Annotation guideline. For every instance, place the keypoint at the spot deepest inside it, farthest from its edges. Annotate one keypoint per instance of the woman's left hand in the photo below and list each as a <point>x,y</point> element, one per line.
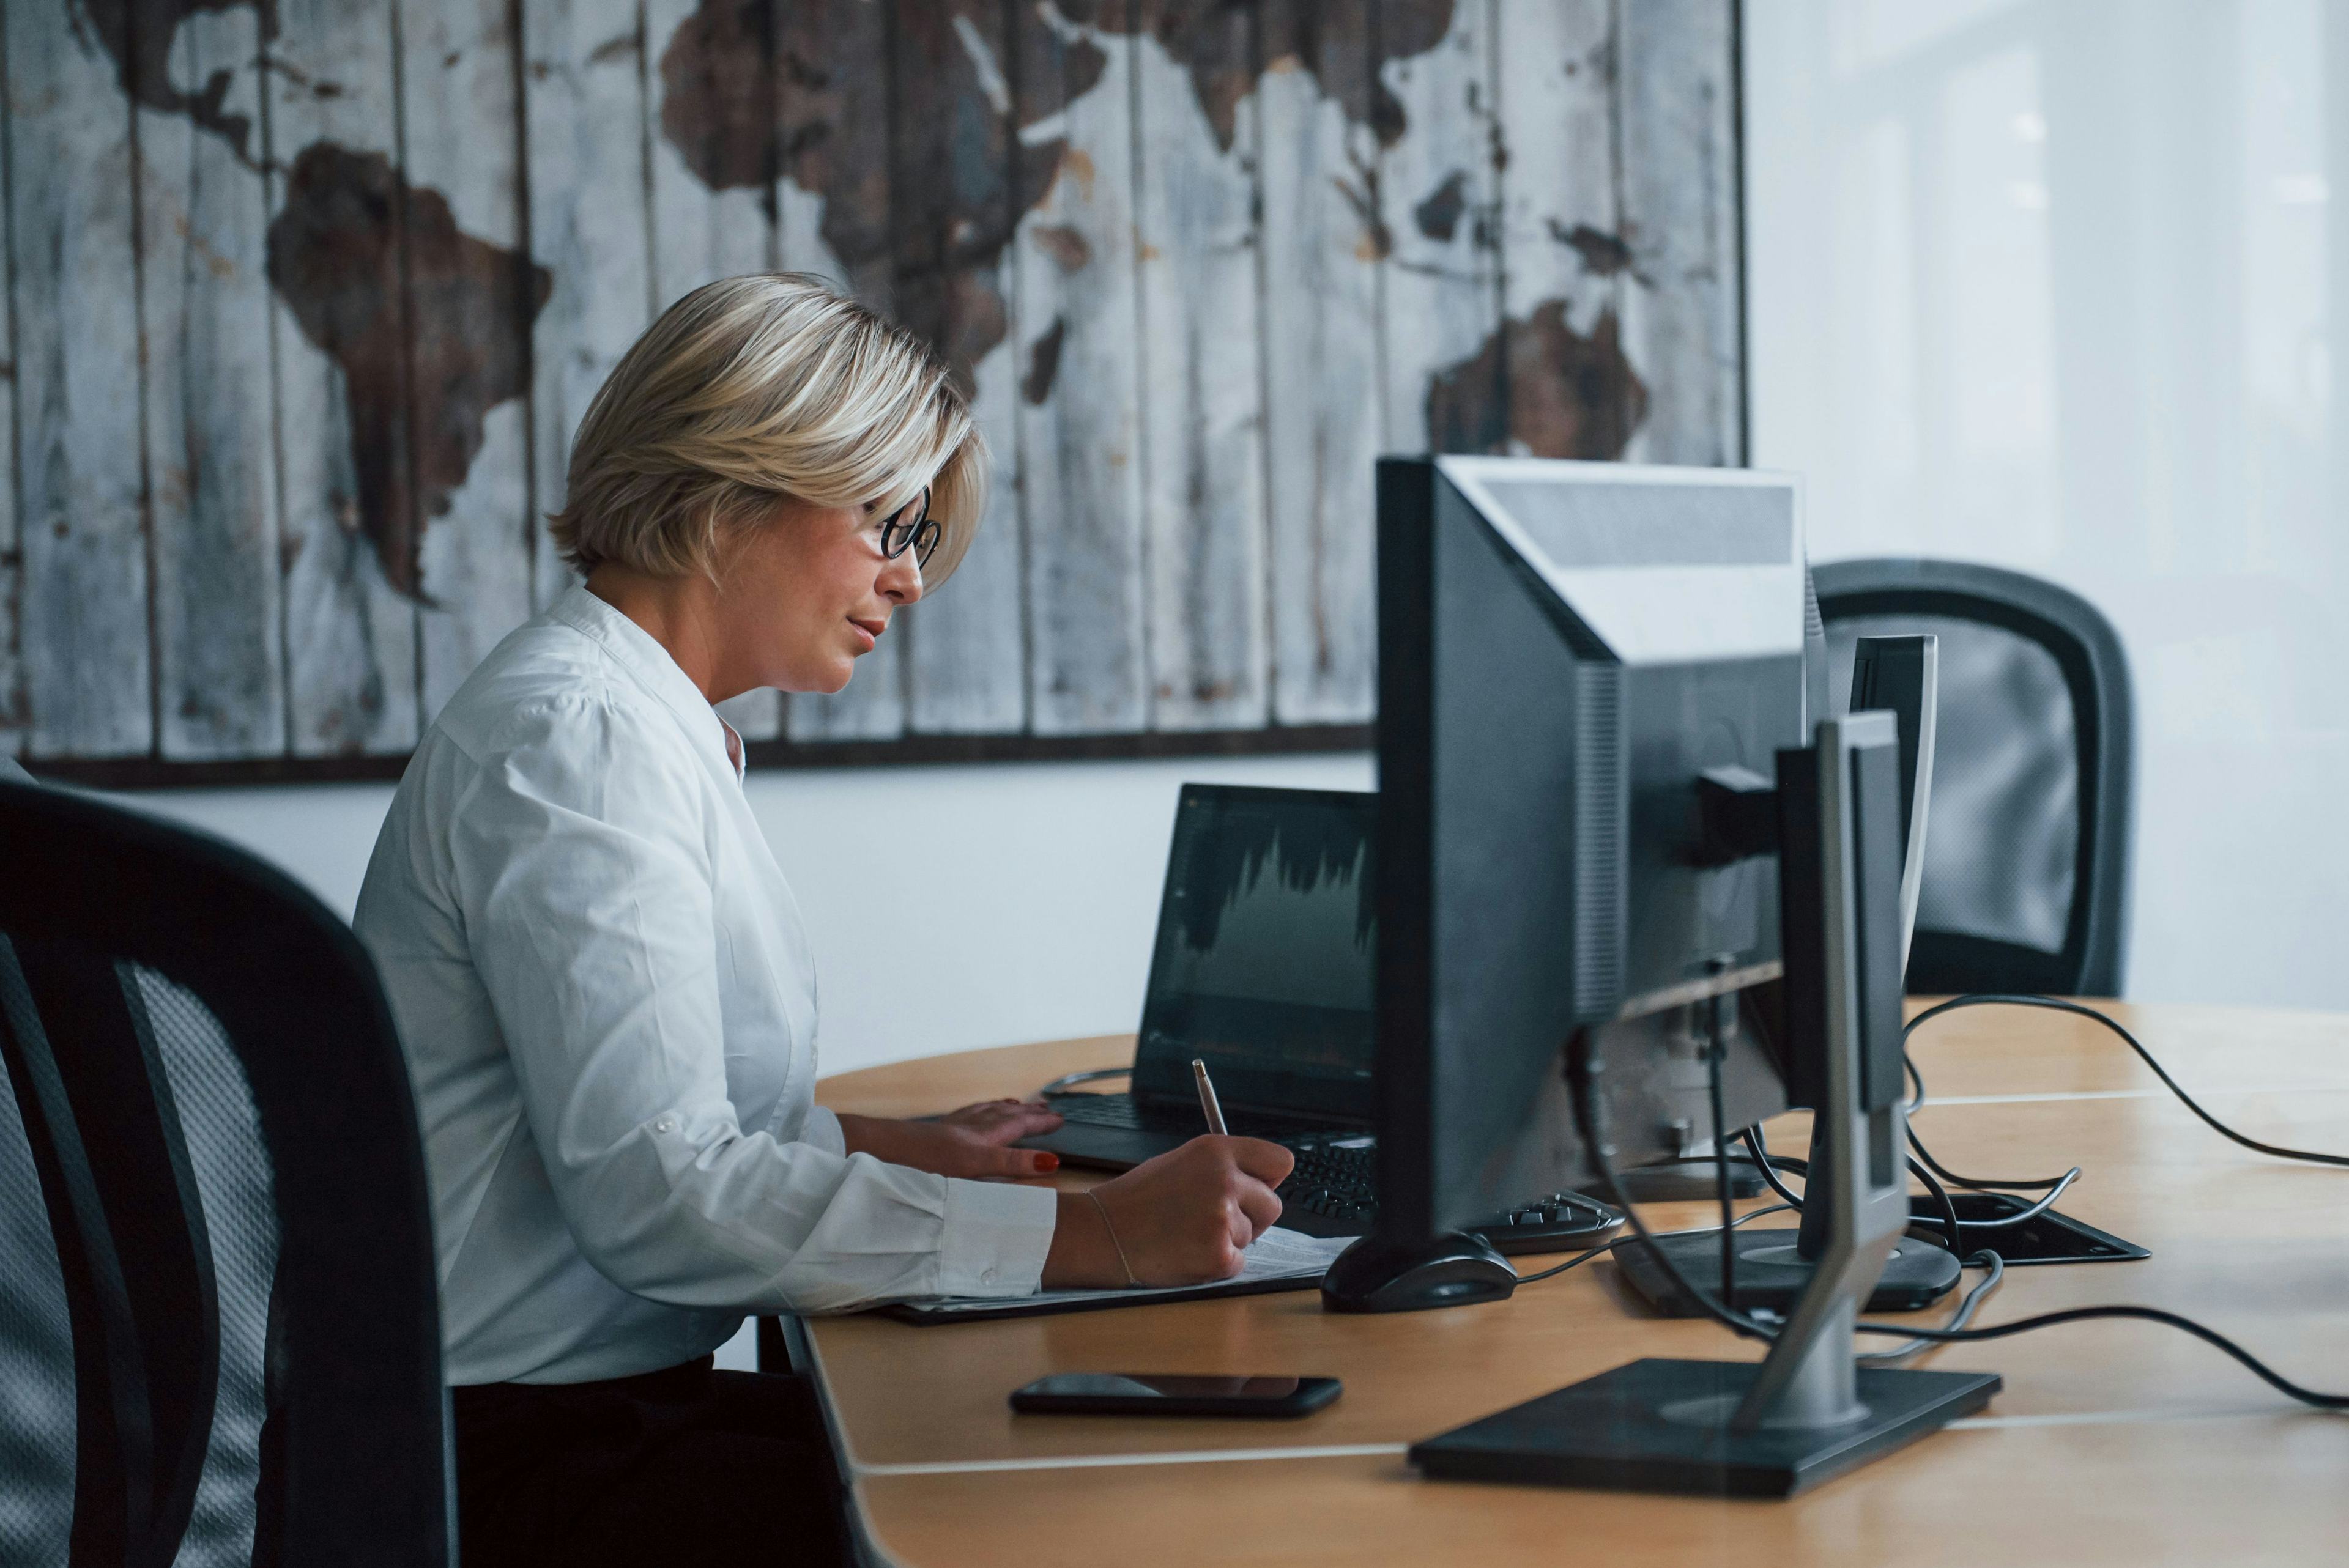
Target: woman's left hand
<point>972,1141</point>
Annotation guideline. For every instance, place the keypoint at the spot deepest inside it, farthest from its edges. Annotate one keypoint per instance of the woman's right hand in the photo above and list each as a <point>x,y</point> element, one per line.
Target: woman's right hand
<point>1182,1218</point>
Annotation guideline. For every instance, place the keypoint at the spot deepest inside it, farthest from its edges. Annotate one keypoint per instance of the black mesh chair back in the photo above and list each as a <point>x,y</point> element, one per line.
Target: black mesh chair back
<point>218,1329</point>
<point>2027,849</point>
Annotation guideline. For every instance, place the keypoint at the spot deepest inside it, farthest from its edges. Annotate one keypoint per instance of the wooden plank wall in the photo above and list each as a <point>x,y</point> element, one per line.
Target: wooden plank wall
<point>350,634</point>
<point>305,297</point>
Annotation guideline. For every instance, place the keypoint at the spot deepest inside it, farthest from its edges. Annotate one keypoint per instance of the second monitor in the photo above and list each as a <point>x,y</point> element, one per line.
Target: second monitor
<point>1564,650</point>
<point>1625,886</point>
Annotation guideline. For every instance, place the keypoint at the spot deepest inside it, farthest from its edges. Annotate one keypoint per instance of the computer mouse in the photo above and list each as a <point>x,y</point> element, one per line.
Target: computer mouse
<point>1380,1274</point>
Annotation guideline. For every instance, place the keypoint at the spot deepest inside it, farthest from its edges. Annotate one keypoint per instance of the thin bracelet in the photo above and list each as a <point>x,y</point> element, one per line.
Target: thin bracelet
<point>1132,1283</point>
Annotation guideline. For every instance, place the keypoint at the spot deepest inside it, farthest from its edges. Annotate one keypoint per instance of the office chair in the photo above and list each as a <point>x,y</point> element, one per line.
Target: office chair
<point>2027,852</point>
<point>212,1204</point>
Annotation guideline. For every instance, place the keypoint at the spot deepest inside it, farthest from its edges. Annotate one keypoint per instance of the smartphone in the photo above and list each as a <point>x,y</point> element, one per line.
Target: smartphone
<point>1173,1394</point>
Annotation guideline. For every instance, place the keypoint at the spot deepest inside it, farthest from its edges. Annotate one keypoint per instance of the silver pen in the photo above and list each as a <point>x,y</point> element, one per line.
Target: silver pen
<point>1208,1101</point>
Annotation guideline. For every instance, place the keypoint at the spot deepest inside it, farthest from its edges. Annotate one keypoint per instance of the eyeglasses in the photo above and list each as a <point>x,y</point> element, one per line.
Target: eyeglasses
<point>912,528</point>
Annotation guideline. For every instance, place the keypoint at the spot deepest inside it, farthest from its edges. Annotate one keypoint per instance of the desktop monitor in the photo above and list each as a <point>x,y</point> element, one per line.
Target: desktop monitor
<point>1564,649</point>
<point>1621,890</point>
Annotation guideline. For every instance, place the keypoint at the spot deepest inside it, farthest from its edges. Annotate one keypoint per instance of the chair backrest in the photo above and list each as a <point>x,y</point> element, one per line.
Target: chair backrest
<point>2028,851</point>
<point>204,1082</point>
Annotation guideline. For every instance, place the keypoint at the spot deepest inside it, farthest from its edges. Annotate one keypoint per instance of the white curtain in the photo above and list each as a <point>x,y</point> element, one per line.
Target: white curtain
<point>2057,285</point>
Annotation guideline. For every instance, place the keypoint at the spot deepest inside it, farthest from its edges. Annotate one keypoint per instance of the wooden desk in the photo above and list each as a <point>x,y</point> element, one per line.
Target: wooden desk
<point>2113,1441</point>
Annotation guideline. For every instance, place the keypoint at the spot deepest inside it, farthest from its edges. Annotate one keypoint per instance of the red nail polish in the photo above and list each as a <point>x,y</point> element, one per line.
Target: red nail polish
<point>1048,1160</point>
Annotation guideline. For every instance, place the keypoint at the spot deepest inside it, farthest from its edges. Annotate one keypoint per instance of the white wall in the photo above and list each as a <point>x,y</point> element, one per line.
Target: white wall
<point>950,907</point>
<point>2049,283</point>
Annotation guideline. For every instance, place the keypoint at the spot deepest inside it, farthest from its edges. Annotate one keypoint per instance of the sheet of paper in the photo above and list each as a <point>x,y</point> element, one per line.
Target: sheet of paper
<point>1276,1255</point>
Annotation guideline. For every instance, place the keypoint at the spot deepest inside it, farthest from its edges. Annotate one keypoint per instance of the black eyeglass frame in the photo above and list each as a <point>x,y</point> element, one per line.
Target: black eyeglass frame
<point>921,536</point>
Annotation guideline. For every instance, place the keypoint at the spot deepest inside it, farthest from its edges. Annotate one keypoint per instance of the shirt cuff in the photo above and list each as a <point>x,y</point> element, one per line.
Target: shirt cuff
<point>821,1129</point>
<point>995,1238</point>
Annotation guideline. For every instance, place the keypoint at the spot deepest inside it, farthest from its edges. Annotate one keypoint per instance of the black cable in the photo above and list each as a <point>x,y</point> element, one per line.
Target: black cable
<point>1769,1167</point>
<point>1585,1257</point>
<point>2005,1222</point>
<point>2258,1368</point>
<point>1909,1065</point>
<point>1577,1259</point>
<point>1995,1271</point>
<point>1977,1183</point>
<point>1581,1071</point>
<point>1582,1098</point>
<point>1949,1209</point>
<point>2059,1185</point>
<point>2022,1216</point>
<point>1713,1055</point>
<point>2057,1005</point>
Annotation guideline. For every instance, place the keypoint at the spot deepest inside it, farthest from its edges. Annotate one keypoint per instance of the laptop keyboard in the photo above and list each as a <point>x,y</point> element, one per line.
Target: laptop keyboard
<point>1099,1110</point>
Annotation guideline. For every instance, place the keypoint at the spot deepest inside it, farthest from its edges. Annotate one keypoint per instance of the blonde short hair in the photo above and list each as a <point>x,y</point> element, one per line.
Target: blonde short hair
<point>751,390</point>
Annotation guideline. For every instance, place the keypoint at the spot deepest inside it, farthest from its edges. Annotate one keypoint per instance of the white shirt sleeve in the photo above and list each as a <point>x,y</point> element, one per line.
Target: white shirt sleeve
<point>586,904</point>
<point>822,1129</point>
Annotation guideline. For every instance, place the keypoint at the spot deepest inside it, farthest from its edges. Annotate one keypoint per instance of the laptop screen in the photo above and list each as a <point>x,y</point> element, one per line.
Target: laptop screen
<point>1263,966</point>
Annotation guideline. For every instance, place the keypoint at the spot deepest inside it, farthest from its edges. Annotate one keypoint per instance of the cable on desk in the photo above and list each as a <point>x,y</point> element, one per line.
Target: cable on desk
<point>2022,1216</point>
<point>1065,1081</point>
<point>1979,1183</point>
<point>1950,1220</point>
<point>1926,1171</point>
<point>1760,1151</point>
<point>2258,1367</point>
<point>1574,1262</point>
<point>1770,1165</point>
<point>1995,1269</point>
<point>2058,1005</point>
<point>1581,1071</point>
<point>1584,1257</point>
<point>1713,1055</point>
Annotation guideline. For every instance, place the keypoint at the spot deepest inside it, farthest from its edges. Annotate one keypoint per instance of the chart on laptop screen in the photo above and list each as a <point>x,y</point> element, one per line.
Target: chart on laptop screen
<point>1265,946</point>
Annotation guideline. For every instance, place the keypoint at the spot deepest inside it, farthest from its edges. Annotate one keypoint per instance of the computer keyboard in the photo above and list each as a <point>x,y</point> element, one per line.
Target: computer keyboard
<point>1333,1191</point>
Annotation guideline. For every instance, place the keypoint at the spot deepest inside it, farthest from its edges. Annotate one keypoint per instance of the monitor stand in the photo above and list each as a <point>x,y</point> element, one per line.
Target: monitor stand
<point>1808,1411</point>
<point>1690,1177</point>
<point>1774,1266</point>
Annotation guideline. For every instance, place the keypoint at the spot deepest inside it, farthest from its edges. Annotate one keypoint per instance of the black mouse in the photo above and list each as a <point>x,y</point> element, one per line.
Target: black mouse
<point>1379,1273</point>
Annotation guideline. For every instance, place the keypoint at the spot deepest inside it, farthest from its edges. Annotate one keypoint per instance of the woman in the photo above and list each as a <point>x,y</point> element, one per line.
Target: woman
<point>605,989</point>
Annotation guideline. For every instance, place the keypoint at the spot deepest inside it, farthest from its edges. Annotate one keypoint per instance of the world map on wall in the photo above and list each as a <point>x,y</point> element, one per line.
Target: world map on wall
<point>431,327</point>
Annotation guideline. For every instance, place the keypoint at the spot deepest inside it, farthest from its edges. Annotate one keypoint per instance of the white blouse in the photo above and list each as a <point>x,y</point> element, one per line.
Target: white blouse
<point>608,1006</point>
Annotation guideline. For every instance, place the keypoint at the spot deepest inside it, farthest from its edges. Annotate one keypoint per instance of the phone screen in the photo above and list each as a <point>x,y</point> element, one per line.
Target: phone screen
<point>1173,1394</point>
<point>1156,1386</point>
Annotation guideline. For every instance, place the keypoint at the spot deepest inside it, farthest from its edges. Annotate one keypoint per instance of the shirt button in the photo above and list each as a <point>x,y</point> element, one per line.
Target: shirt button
<point>665,1124</point>
<point>986,1277</point>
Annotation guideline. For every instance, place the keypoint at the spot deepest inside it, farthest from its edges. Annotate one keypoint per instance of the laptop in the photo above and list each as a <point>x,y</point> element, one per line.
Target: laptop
<point>1262,969</point>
